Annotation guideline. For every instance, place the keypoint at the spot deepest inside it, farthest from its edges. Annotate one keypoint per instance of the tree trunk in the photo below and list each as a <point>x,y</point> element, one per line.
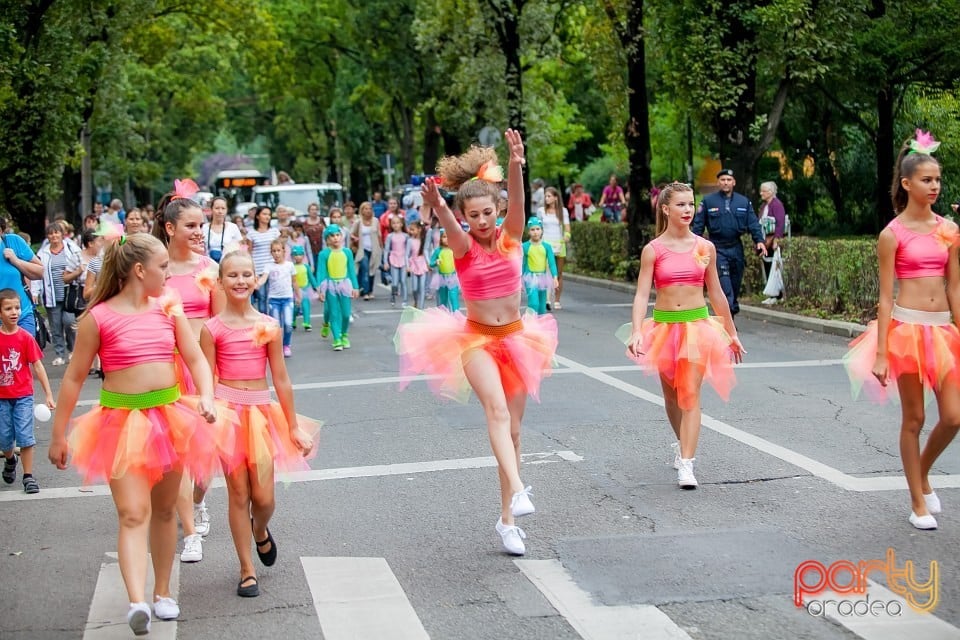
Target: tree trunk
<point>637,129</point>
<point>431,143</point>
<point>406,144</point>
<point>886,156</point>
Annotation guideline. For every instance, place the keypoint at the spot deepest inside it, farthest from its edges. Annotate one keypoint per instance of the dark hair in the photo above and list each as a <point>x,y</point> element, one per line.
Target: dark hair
<point>54,227</point>
<point>256,217</point>
<point>169,209</point>
<point>663,199</point>
<point>215,198</point>
<point>9,294</point>
<point>88,237</point>
<point>907,164</point>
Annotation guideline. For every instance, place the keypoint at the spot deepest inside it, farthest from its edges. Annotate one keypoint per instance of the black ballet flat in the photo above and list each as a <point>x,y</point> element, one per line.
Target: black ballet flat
<point>249,591</point>
<point>269,557</point>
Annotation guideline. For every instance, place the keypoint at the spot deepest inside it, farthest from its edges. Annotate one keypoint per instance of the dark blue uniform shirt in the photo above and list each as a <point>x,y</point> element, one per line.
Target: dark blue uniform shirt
<point>727,219</point>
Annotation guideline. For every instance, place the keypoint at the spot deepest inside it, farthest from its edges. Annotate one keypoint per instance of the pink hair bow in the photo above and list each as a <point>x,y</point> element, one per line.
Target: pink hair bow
<point>185,188</point>
<point>924,143</point>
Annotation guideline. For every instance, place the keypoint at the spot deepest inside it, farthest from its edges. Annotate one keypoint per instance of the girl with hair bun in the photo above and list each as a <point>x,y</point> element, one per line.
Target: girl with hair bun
<point>493,350</point>
<point>144,434</point>
<point>682,343</point>
<point>914,345</point>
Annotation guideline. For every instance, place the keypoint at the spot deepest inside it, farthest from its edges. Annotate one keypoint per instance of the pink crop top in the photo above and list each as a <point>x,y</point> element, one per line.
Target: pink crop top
<point>486,275</point>
<point>671,268</point>
<point>237,357</point>
<point>920,255</point>
<point>196,300</point>
<point>127,340</point>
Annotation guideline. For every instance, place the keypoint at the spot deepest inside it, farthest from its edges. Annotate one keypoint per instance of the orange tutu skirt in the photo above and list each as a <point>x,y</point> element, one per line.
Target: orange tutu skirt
<point>108,443</point>
<point>929,351</point>
<point>262,434</point>
<point>439,343</point>
<point>686,354</point>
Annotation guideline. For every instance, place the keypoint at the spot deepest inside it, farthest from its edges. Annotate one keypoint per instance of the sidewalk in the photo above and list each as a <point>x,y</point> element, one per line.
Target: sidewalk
<point>832,327</point>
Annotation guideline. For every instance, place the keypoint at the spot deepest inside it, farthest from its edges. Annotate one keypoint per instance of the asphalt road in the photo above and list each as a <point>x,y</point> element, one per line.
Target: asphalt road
<point>791,469</point>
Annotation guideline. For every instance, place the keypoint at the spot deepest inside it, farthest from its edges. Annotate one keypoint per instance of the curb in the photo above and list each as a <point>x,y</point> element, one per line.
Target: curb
<point>830,327</point>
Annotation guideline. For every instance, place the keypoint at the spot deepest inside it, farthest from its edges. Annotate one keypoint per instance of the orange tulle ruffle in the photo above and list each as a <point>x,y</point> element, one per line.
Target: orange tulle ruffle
<point>107,443</point>
<point>438,343</point>
<point>931,352</point>
<point>686,354</point>
<point>263,441</point>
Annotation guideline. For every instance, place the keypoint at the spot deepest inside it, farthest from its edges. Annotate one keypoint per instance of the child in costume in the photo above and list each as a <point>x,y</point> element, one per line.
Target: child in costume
<point>20,354</point>
<point>417,263</point>
<point>282,290</point>
<point>396,247</point>
<point>307,283</point>
<point>144,435</point>
<point>494,350</point>
<point>193,276</point>
<point>682,343</point>
<point>338,285</point>
<point>539,268</point>
<point>914,344</point>
<point>238,343</point>
<point>445,281</point>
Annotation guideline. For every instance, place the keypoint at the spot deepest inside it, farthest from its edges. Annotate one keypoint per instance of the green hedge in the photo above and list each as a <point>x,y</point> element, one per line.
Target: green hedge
<point>830,276</point>
<point>834,276</point>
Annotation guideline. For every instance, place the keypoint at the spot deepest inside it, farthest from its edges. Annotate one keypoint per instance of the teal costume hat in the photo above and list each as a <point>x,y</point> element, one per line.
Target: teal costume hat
<point>297,250</point>
<point>330,230</point>
<point>534,221</point>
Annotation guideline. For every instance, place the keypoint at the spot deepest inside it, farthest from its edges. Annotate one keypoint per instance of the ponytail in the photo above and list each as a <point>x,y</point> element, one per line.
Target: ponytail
<point>119,257</point>
<point>663,200</point>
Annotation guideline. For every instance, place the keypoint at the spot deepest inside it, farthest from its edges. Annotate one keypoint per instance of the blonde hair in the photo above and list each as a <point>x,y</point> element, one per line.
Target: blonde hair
<point>235,255</point>
<point>457,173</point>
<point>666,194</point>
<point>119,259</point>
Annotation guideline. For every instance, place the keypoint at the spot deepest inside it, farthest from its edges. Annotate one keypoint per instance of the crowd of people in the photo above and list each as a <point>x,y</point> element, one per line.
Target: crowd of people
<point>185,392</point>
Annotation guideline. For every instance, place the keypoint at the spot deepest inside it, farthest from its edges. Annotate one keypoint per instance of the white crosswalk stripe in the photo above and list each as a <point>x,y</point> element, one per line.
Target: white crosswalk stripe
<point>107,618</point>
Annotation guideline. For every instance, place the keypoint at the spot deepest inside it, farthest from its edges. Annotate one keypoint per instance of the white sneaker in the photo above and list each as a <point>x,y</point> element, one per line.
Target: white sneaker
<point>923,522</point>
<point>933,503</point>
<point>201,519</point>
<point>192,549</point>
<point>166,608</point>
<point>770,301</point>
<point>685,477</point>
<point>520,504</point>
<point>676,454</point>
<point>512,537</point>
<point>58,362</point>
<point>138,617</point>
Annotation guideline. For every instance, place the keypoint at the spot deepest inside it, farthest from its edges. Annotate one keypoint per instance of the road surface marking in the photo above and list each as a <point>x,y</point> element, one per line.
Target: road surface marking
<point>318,475</point>
<point>360,599</point>
<point>595,621</point>
<point>815,467</point>
<point>906,624</point>
<point>107,619</point>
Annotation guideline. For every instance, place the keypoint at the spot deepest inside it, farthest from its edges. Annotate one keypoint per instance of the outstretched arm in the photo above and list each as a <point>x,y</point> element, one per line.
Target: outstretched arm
<point>514,222</point>
<point>457,239</point>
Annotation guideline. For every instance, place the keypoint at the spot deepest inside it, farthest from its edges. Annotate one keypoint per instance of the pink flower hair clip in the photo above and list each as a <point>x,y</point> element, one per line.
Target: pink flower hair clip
<point>924,142</point>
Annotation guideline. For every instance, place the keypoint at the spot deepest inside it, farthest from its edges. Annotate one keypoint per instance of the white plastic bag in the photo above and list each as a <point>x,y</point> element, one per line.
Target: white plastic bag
<point>775,278</point>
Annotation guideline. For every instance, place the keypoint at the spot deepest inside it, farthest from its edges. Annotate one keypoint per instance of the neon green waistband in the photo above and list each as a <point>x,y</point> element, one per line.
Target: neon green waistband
<point>687,315</point>
<point>148,400</point>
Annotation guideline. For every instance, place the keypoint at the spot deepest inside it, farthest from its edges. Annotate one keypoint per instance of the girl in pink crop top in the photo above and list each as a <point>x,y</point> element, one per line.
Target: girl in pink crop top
<point>913,347</point>
<point>197,288</point>
<point>494,343</point>
<point>239,342</point>
<point>680,267</point>
<point>485,275</point>
<point>143,437</point>
<point>682,344</point>
<point>128,340</point>
<point>921,255</point>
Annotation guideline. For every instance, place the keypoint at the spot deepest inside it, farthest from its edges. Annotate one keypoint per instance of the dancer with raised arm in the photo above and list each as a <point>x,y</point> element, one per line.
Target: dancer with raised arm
<point>502,356</point>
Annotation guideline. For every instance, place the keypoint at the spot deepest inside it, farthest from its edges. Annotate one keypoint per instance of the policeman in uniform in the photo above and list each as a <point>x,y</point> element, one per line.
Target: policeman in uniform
<point>728,215</point>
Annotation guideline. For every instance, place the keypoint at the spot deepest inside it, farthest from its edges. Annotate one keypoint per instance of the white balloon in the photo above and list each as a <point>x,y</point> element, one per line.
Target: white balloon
<point>41,412</point>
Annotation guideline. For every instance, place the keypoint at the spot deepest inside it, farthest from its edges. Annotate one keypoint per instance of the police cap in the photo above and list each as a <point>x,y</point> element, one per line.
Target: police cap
<point>725,172</point>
